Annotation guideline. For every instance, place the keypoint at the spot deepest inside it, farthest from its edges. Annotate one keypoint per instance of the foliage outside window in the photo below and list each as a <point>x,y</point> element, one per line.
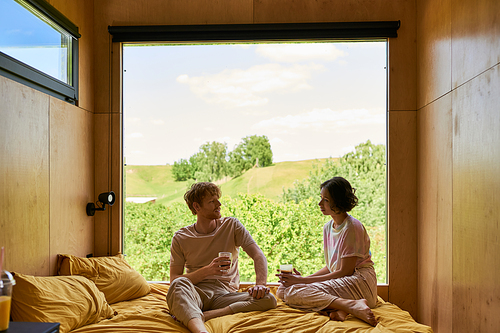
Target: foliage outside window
<point>287,231</point>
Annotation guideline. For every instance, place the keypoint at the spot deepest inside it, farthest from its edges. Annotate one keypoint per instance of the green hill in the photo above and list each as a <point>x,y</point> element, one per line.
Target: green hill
<point>157,181</point>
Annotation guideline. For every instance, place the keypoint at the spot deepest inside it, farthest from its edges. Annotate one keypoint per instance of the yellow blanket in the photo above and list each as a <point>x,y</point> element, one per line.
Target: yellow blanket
<point>150,314</point>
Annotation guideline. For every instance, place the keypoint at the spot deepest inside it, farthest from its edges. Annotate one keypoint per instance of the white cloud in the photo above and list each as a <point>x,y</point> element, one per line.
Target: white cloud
<point>135,135</point>
<point>224,139</point>
<point>242,88</point>
<point>158,122</point>
<point>275,141</point>
<point>347,149</point>
<point>323,119</point>
<point>184,78</point>
<point>300,52</point>
<point>132,119</point>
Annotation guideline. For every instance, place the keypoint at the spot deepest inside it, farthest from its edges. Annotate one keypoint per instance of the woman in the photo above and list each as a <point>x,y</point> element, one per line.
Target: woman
<point>347,284</point>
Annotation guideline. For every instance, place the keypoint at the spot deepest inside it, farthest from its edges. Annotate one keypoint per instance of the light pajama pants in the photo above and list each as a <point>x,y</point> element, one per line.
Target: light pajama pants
<point>317,296</point>
<point>187,301</point>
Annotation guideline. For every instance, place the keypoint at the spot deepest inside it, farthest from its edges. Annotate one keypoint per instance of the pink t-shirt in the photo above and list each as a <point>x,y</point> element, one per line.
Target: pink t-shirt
<point>193,250</point>
<point>350,239</point>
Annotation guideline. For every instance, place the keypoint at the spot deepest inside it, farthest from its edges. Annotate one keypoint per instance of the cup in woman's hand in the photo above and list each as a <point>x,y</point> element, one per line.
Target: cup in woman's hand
<point>286,269</point>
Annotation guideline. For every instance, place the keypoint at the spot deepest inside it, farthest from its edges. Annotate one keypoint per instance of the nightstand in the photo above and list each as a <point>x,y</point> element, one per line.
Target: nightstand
<point>25,327</point>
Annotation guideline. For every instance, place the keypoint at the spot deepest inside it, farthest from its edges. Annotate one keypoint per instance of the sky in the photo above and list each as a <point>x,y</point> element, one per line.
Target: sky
<point>33,41</point>
<point>312,100</point>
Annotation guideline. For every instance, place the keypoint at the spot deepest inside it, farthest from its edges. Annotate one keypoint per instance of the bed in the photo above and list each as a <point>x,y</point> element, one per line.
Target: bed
<point>106,295</point>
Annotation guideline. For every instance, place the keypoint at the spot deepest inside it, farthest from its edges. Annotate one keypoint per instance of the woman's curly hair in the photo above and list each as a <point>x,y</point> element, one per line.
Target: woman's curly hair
<point>342,193</point>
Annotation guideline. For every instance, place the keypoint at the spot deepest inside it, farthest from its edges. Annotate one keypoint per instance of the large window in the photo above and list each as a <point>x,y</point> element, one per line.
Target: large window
<point>39,47</point>
<point>268,122</point>
<point>284,222</point>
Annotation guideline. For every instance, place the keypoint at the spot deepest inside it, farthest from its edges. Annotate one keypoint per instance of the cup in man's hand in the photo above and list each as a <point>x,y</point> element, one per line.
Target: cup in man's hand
<point>229,255</point>
<point>286,269</point>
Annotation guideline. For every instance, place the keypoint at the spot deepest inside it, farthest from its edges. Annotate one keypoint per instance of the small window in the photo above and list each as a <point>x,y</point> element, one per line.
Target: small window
<point>39,47</point>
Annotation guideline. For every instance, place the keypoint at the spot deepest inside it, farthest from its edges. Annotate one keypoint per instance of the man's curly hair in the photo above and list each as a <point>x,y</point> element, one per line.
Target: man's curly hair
<point>342,193</point>
<point>198,191</point>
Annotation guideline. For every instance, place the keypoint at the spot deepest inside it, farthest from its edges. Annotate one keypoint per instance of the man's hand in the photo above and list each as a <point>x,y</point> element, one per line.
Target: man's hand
<point>258,291</point>
<point>218,266</point>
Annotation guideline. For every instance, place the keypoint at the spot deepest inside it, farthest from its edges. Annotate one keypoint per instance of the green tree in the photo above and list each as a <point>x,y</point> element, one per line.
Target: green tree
<point>237,164</point>
<point>211,163</point>
<point>182,170</point>
<point>253,151</point>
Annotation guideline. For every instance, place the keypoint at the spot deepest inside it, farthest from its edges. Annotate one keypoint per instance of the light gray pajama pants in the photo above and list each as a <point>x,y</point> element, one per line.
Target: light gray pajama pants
<point>317,296</point>
<point>187,301</point>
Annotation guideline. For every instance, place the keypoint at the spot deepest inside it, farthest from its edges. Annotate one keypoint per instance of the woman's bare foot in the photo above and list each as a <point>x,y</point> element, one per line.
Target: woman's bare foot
<point>361,310</point>
<point>338,315</point>
<point>358,308</point>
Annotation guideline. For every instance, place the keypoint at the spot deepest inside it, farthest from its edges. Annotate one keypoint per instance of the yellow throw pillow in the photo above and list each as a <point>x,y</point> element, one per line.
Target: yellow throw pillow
<point>112,275</point>
<point>72,301</point>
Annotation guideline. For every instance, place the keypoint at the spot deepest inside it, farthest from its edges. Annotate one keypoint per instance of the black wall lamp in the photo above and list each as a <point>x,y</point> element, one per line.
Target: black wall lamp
<point>106,198</point>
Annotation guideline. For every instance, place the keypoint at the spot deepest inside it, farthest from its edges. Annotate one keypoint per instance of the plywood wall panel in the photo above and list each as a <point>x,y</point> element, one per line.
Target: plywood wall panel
<point>81,12</point>
<point>71,180</point>
<point>402,77</point>
<point>117,185</point>
<point>433,50</point>
<point>435,223</point>
<point>281,11</point>
<point>476,194</point>
<point>402,214</point>
<point>158,12</point>
<point>24,178</point>
<point>102,150</point>
<point>476,38</point>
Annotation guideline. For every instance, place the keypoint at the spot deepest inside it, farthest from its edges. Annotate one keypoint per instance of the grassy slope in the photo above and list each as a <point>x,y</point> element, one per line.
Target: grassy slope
<point>153,181</point>
<point>157,180</point>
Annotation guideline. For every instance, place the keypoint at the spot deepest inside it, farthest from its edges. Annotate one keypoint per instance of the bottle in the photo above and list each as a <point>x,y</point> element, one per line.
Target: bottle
<point>6,284</point>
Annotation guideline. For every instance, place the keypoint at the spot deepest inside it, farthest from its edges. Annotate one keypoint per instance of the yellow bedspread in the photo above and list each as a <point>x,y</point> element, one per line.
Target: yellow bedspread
<point>150,314</point>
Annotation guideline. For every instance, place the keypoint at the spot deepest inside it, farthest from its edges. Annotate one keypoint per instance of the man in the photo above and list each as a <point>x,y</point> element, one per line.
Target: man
<point>209,287</point>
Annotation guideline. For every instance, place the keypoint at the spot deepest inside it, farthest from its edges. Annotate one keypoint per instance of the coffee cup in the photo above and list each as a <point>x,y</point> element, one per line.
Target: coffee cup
<point>6,283</point>
<point>227,254</point>
<point>286,269</point>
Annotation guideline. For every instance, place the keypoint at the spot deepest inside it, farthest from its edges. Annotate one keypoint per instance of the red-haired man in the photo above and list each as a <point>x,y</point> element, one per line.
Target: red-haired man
<point>209,287</point>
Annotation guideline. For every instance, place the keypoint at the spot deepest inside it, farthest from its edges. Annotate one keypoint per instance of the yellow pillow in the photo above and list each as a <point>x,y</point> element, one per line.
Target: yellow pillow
<point>72,301</point>
<point>112,275</point>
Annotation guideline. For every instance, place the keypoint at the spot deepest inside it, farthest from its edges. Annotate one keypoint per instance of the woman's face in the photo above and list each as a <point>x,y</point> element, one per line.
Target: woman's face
<point>326,202</point>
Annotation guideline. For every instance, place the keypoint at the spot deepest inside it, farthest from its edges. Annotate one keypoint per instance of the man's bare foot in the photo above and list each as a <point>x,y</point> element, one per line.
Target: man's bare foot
<point>338,315</point>
<point>360,309</point>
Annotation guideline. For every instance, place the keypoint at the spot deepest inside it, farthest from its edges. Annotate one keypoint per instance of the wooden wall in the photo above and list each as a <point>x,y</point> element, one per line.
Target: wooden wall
<point>458,154</point>
<point>47,165</point>
<point>444,145</point>
<point>62,156</point>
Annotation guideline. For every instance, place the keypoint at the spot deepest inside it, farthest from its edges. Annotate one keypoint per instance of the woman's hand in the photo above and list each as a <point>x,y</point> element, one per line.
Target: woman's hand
<point>288,279</point>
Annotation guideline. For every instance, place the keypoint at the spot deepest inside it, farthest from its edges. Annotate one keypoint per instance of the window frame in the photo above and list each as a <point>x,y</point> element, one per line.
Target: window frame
<point>21,72</point>
<point>279,32</point>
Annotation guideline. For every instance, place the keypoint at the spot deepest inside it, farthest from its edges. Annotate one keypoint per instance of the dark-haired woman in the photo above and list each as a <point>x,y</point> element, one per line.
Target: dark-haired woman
<point>347,284</point>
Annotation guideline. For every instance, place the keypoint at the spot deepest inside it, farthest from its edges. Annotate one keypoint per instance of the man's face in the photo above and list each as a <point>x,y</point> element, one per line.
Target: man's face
<point>209,207</point>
